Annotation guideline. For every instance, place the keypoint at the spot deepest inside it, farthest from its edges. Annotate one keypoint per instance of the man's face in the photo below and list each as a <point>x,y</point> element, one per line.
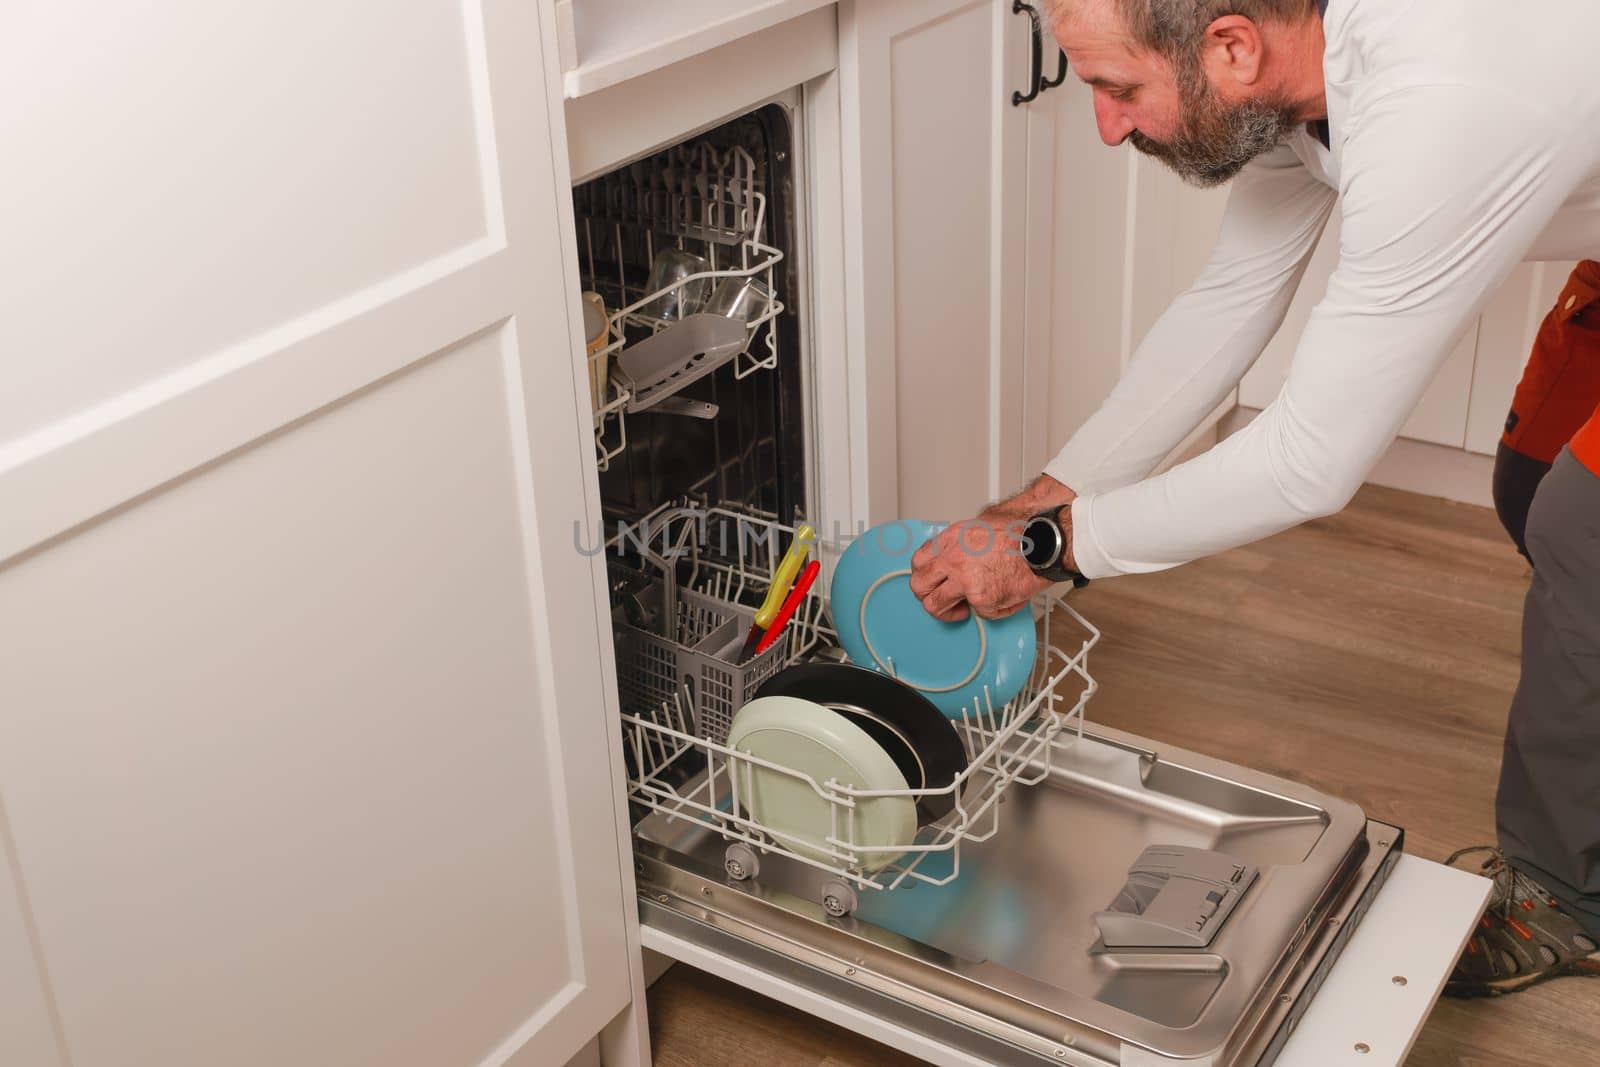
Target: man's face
<point>1174,115</point>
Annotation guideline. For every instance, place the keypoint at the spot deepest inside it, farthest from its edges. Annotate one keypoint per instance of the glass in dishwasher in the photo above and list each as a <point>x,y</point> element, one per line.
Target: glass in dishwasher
<point>673,275</point>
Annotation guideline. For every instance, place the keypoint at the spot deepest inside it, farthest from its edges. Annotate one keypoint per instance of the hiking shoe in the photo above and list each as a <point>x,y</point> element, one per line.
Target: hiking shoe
<point>1523,938</point>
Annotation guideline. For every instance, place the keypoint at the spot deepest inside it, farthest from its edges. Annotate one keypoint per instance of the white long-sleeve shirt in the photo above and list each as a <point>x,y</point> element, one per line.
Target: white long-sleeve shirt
<point>1465,139</point>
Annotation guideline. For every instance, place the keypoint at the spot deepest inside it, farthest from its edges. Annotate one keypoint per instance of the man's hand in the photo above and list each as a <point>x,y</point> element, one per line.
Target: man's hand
<point>977,565</point>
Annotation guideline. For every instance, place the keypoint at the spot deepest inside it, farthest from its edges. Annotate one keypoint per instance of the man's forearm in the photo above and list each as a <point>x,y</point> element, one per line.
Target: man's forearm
<point>1043,492</point>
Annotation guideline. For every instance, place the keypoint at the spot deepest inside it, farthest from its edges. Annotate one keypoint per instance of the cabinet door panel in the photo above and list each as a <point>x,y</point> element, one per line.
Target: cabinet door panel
<point>1122,236</point>
<point>304,751</point>
<point>1079,254</point>
<point>936,190</point>
<point>243,165</point>
<point>27,1032</point>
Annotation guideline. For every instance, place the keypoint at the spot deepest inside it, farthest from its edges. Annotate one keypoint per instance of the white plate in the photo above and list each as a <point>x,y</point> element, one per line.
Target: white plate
<point>813,740</point>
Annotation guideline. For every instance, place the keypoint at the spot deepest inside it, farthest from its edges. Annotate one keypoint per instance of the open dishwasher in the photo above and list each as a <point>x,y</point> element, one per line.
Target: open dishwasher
<point>1089,897</point>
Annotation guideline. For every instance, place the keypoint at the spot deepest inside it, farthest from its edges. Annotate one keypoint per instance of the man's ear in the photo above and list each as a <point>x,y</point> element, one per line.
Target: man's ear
<point>1232,52</point>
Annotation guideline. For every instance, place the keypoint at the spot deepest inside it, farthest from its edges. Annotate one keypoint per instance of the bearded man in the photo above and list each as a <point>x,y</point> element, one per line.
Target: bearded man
<point>1456,139</point>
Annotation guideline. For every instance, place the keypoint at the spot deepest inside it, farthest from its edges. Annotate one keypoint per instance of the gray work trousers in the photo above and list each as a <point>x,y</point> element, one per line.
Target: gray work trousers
<point>1548,808</point>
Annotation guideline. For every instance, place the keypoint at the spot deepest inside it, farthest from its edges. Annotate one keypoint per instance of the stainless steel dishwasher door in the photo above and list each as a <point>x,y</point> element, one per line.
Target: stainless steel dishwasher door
<point>1008,951</point>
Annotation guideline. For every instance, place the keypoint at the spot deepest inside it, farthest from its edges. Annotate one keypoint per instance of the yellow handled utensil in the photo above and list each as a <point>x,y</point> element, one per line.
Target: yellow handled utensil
<point>784,577</point>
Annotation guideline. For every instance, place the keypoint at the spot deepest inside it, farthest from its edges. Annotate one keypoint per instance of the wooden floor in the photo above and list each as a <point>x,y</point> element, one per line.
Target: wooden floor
<point>1371,655</point>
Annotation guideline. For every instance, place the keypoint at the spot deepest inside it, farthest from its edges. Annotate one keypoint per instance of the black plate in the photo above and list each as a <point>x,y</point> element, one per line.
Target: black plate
<point>889,738</point>
<point>901,711</point>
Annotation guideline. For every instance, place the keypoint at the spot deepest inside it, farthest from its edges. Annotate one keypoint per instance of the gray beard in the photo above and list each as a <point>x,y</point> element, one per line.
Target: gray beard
<point>1218,140</point>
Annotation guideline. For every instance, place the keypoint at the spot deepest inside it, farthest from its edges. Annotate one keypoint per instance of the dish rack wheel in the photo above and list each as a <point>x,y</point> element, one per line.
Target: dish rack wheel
<point>741,861</point>
<point>839,898</point>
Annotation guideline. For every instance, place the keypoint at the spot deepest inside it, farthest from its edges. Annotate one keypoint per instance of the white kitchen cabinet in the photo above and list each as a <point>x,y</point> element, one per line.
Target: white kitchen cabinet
<point>607,127</point>
<point>935,191</point>
<point>1113,238</point>
<point>303,736</point>
<point>603,43</point>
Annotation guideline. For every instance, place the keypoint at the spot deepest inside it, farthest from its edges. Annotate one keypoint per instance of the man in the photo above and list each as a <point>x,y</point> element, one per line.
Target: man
<point>1456,138</point>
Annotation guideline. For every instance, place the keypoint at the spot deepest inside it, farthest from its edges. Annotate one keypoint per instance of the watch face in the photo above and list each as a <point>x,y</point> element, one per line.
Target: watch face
<point>1044,543</point>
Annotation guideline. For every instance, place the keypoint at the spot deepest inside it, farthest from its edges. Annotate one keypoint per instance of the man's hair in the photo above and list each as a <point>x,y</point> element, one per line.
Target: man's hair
<point>1175,28</point>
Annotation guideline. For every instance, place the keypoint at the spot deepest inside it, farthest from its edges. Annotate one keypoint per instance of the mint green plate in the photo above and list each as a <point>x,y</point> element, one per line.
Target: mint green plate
<point>806,737</point>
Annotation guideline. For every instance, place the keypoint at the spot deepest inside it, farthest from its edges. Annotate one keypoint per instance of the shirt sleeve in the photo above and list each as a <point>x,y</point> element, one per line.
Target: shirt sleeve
<point>1444,189</point>
<point>1202,345</point>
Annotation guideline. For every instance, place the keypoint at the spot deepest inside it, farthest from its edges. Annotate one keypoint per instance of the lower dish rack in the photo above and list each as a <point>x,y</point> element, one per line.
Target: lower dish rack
<point>675,724</point>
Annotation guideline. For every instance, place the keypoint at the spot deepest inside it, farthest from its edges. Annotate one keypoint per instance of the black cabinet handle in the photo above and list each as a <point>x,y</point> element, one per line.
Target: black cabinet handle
<point>1037,82</point>
<point>1061,75</point>
<point>1036,67</point>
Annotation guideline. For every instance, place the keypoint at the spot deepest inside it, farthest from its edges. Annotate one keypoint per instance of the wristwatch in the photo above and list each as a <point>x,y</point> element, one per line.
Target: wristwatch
<point>1045,547</point>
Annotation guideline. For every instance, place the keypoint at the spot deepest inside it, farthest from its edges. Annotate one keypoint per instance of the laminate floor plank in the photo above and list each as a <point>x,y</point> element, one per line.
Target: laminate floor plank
<point>700,1020</point>
<point>1371,655</point>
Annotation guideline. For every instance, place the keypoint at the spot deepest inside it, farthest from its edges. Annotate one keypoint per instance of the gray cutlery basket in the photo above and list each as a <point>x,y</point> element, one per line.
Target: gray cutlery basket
<point>709,633</point>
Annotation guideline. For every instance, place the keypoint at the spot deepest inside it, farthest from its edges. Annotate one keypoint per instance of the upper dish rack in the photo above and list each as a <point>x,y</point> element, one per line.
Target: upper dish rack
<point>680,766</point>
<point>695,197</point>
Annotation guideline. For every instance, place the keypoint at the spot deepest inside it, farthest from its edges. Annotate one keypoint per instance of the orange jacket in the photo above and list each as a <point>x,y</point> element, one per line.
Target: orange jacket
<point>1558,399</point>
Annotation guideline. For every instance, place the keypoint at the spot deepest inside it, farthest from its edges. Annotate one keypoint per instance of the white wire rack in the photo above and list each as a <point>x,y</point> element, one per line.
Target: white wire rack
<point>1006,745</point>
<point>691,195</point>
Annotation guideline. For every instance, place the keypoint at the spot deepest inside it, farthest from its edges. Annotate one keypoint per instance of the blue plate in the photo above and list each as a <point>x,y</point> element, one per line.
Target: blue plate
<point>882,625</point>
